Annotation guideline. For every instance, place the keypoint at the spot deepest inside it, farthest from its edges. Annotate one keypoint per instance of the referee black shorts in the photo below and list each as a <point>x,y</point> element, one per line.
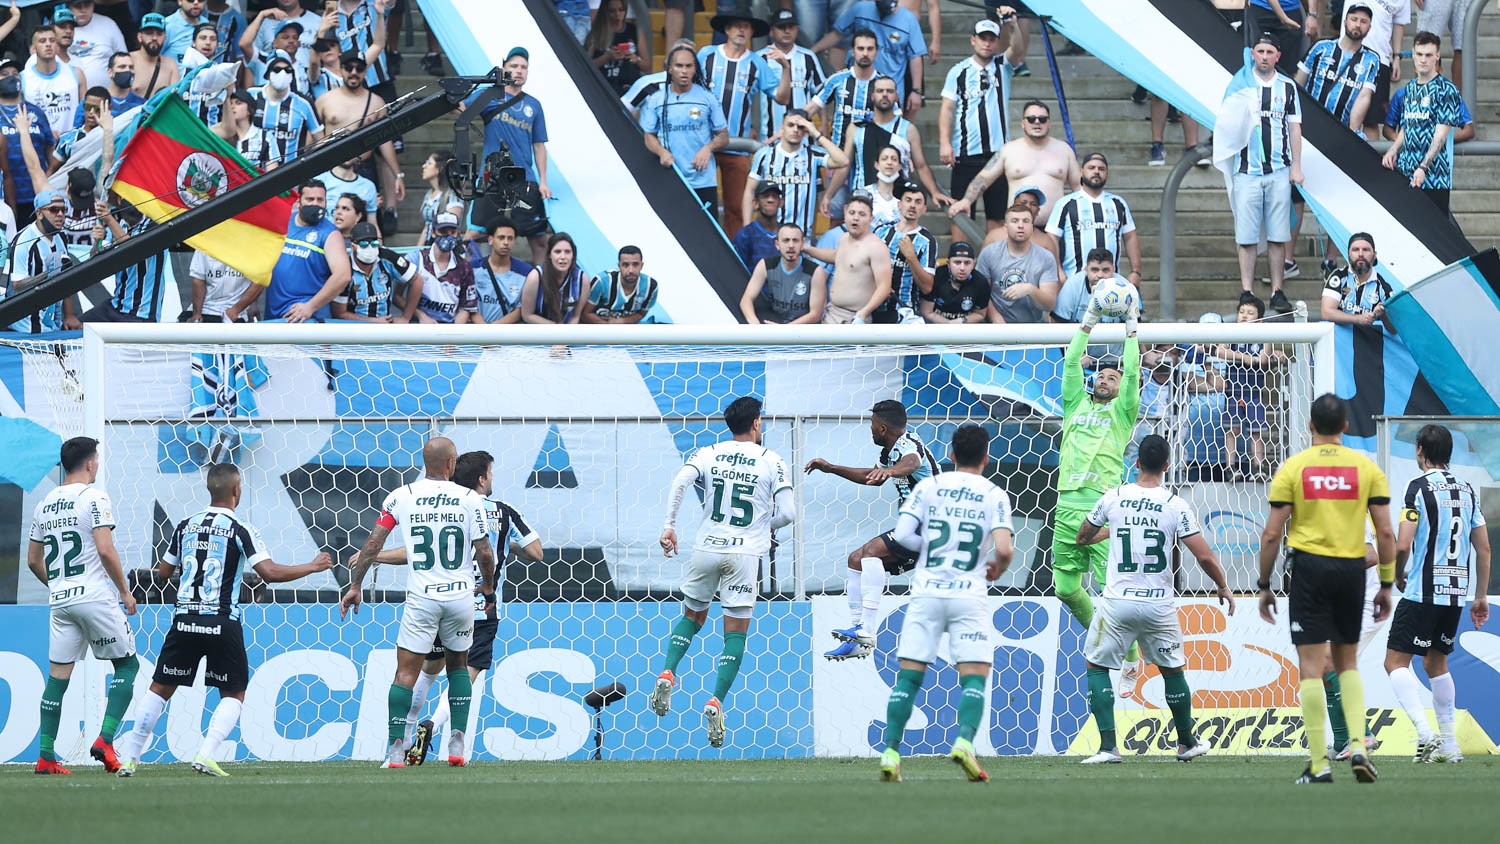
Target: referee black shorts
<point>1326,600</point>
<point>996,197</point>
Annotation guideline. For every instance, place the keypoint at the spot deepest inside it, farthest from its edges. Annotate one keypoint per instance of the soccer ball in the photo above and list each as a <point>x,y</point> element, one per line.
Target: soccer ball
<point>1115,297</point>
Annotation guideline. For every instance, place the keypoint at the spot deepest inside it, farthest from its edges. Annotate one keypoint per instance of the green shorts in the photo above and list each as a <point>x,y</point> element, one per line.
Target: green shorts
<point>1068,555</point>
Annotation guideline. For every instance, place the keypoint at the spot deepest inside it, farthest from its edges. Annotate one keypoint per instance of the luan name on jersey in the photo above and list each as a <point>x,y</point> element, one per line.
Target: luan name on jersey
<point>740,481</point>
<point>1145,524</point>
<point>956,512</point>
<point>440,521</point>
<point>64,524</point>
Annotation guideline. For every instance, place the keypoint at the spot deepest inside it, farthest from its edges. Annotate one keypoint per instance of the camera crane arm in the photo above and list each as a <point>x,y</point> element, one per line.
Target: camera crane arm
<point>399,119</point>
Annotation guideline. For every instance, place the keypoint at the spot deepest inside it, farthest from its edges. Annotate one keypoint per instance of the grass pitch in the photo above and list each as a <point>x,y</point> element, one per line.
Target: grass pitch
<point>776,801</point>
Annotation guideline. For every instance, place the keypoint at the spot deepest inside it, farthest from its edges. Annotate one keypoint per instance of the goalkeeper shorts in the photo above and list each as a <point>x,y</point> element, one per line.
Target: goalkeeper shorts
<point>1068,555</point>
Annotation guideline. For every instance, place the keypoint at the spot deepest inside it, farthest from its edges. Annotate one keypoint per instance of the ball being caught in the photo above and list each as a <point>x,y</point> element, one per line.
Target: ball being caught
<point>1115,297</point>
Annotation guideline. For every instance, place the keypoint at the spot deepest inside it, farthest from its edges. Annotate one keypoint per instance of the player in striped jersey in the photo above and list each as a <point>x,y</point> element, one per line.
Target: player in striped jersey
<point>793,163</point>
<point>72,552</point>
<point>807,72</point>
<point>213,549</point>
<point>445,531</point>
<point>621,295</point>
<point>905,461</point>
<point>1340,72</point>
<point>39,250</point>
<point>1441,525</point>
<point>376,271</point>
<point>974,121</point>
<point>913,258</point>
<point>1093,218</point>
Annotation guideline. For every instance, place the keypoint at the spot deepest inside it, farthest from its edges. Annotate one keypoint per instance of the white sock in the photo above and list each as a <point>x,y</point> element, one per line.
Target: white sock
<point>1443,695</point>
<point>226,715</point>
<point>1409,693</point>
<point>440,720</point>
<point>418,698</point>
<point>872,587</point>
<point>149,712</point>
<point>852,584</point>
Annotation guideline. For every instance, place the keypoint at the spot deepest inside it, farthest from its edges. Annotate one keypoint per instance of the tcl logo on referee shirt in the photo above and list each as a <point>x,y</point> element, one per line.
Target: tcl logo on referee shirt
<point>1340,483</point>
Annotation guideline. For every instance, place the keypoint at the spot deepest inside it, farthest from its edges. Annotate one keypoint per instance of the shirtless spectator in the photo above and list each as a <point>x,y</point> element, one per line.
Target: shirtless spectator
<point>1023,276</point>
<point>354,104</point>
<point>1035,158</point>
<point>861,267</point>
<point>153,71</point>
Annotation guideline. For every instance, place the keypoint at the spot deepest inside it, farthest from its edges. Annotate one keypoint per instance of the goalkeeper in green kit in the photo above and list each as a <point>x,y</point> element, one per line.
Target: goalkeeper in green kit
<point>1096,429</point>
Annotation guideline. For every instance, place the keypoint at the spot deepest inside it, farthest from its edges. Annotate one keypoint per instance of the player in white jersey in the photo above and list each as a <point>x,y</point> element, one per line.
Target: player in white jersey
<point>946,522</point>
<point>905,461</point>
<point>445,532</point>
<point>747,495</point>
<point>72,551</point>
<point>1144,522</point>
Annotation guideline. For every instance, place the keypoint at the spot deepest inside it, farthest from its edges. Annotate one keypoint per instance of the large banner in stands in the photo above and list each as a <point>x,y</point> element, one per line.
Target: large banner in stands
<point>318,687</point>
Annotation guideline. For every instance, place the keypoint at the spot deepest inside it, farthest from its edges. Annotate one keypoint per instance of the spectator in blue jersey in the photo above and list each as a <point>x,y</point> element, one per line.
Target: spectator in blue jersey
<point>500,277</point>
<point>313,267</point>
<point>1356,294</point>
<point>974,118</point>
<point>522,129</point>
<point>92,108</point>
<point>287,120</point>
<point>181,28</point>
<point>959,294</point>
<point>231,25</point>
<point>42,139</point>
<point>807,72</point>
<point>757,239</point>
<point>817,18</point>
<point>623,295</point>
<point>737,77</point>
<point>786,287</point>
<point>1431,107</point>
<point>1264,172</point>
<point>288,27</point>
<point>117,84</point>
<point>140,289</point>
<point>684,126</point>
<point>325,76</point>
<point>39,251</point>
<point>796,163</point>
<point>1245,366</point>
<point>1073,299</point>
<point>901,44</point>
<point>1288,23</point>
<point>913,258</point>
<point>847,96</point>
<point>345,178</point>
<point>360,25</point>
<point>447,294</point>
<point>375,272</point>
<point>1091,218</point>
<point>557,288</point>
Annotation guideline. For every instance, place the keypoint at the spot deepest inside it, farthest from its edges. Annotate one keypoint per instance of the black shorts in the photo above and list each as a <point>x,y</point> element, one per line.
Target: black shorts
<point>1327,598</point>
<point>899,559</point>
<point>1418,628</point>
<point>193,637</point>
<point>530,220</point>
<point>1380,100</point>
<point>481,653</point>
<point>996,197</point>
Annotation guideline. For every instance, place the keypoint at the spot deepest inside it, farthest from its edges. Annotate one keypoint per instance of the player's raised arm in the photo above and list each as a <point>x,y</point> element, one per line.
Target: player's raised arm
<point>903,468</point>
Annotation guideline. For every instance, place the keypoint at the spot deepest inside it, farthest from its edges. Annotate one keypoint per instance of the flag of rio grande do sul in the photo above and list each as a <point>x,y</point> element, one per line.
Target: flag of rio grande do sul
<point>175,163</point>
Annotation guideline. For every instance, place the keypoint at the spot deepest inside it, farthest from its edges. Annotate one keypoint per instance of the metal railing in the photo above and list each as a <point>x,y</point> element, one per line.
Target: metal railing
<point>1470,64</point>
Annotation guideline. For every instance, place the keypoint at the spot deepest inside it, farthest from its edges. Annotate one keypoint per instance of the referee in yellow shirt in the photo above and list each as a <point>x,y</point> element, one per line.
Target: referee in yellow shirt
<point>1325,492</point>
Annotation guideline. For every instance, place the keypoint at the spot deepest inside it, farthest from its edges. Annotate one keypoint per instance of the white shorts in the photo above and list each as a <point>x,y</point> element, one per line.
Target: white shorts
<point>100,625</point>
<point>1119,623</point>
<point>423,620</point>
<point>967,623</point>
<point>731,576</point>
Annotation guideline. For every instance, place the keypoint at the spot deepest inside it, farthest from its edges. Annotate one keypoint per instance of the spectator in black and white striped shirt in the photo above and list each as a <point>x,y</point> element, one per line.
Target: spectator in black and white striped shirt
<point>794,164</point>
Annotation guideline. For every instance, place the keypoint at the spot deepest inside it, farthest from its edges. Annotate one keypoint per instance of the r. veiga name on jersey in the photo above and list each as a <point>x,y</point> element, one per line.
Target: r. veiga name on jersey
<point>956,512</point>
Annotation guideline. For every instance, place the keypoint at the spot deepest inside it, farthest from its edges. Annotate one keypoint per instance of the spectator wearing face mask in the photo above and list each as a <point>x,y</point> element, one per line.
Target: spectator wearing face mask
<point>37,126</point>
<point>286,119</point>
<point>377,273</point>
<point>448,294</point>
<point>313,267</point>
<point>119,85</point>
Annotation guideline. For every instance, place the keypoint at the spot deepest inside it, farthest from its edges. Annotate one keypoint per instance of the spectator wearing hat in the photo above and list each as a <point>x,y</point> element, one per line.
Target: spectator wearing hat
<point>236,127</point>
<point>522,129</point>
<point>913,257</point>
<point>684,126</point>
<point>63,24</point>
<point>264,36</point>
<point>959,294</point>
<point>786,287</point>
<point>55,88</point>
<point>313,267</point>
<point>1023,276</point>
<point>807,73</point>
<point>447,294</point>
<point>796,162</point>
<point>182,27</point>
<point>376,273</point>
<point>40,251</point>
<point>974,117</point>
<point>231,25</point>
<point>1264,172</point>
<point>287,120</point>
<point>140,288</point>
<point>96,39</point>
<point>1093,218</point>
<point>360,25</point>
<point>216,288</point>
<point>901,44</point>
<point>354,104</point>
<point>1356,294</point>
<point>42,139</point>
<point>737,77</point>
<point>82,229</point>
<point>118,85</point>
<point>324,75</point>
<point>757,239</point>
<point>153,71</point>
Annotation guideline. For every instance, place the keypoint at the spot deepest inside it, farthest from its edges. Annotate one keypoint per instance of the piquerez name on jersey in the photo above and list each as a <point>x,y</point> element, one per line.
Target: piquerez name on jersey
<point>440,521</point>
<point>740,482</point>
<point>64,524</point>
<point>1145,524</point>
<point>956,513</point>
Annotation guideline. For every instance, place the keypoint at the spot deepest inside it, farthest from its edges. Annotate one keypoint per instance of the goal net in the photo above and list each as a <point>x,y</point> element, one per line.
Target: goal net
<point>323,421</point>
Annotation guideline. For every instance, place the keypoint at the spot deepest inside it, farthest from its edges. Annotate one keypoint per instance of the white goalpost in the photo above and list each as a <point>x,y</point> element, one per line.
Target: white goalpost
<point>587,425</point>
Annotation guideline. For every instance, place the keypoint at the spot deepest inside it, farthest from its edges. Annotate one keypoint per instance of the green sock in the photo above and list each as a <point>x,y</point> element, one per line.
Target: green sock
<point>1180,701</point>
<point>898,710</point>
<point>1102,704</point>
<point>677,644</point>
<point>1134,654</point>
<point>121,687</point>
<point>1335,699</point>
<point>460,692</point>
<point>971,705</point>
<point>729,664</point>
<point>397,704</point>
<point>51,714</point>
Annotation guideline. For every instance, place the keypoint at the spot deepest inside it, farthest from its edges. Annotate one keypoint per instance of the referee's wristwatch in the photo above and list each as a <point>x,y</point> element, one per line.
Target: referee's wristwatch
<point>1263,586</point>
